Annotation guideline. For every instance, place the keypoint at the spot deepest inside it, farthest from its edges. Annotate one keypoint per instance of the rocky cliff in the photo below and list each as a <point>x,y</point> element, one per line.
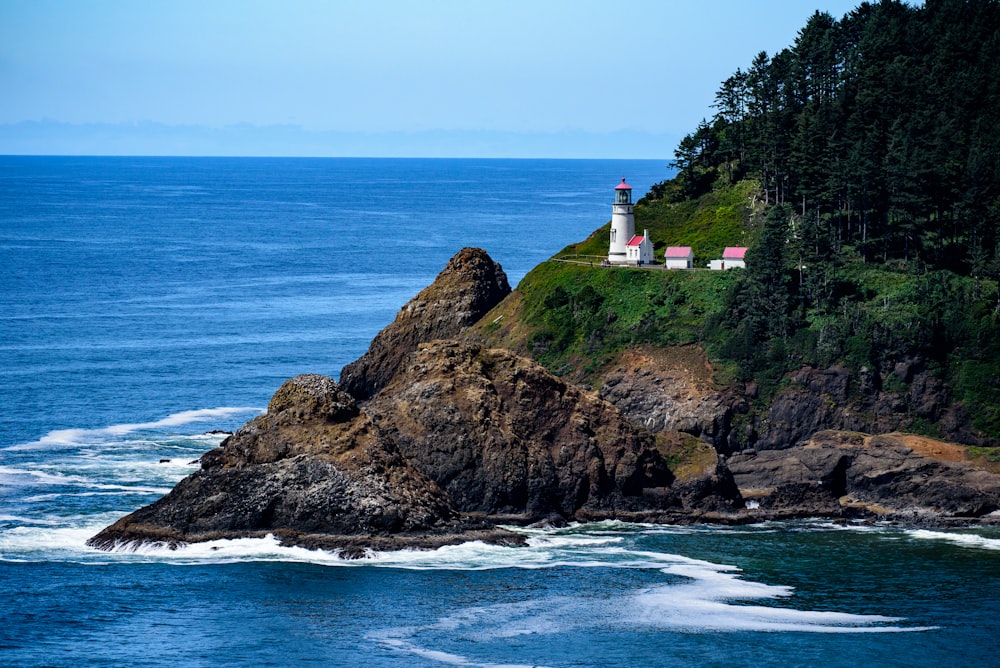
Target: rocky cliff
<point>459,434</point>
<point>503,436</point>
<point>313,471</point>
<point>835,398</point>
<point>671,389</point>
<point>466,289</point>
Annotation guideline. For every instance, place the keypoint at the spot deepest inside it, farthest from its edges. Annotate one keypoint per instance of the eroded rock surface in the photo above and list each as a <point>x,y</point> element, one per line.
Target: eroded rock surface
<point>310,470</point>
<point>466,289</point>
<point>671,389</point>
<point>502,435</point>
<point>835,398</point>
<point>452,437</point>
<point>837,473</point>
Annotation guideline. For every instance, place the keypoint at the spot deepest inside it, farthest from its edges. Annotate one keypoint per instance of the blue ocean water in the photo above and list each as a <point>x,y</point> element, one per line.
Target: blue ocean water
<point>148,302</point>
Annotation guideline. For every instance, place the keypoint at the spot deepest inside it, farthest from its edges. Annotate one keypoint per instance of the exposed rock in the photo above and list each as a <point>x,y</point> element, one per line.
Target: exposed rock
<point>838,473</point>
<point>456,437</point>
<point>460,428</point>
<point>702,479</point>
<point>311,470</point>
<point>502,435</point>
<point>466,289</point>
<point>819,399</point>
<point>671,389</point>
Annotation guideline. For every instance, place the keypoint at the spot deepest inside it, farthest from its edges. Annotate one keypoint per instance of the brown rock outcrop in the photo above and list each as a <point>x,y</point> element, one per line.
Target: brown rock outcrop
<point>466,289</point>
<point>460,429</point>
<point>836,398</point>
<point>313,470</point>
<point>502,435</point>
<point>837,473</point>
<point>671,389</point>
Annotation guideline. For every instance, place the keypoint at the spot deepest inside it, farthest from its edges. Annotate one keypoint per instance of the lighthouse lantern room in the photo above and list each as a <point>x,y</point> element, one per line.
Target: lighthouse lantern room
<point>622,224</point>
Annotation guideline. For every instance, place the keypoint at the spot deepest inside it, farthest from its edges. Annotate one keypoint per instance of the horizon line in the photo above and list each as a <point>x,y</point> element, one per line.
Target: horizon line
<point>315,157</point>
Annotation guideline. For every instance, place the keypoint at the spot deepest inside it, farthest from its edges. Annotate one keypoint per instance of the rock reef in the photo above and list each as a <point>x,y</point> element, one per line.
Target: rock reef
<point>851,474</point>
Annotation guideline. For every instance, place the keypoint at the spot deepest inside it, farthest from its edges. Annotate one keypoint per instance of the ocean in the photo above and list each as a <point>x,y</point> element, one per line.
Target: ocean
<point>149,304</point>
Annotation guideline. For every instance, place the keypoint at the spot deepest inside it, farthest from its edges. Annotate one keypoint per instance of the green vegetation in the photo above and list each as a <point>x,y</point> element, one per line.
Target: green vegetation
<point>579,316</point>
<point>725,216</point>
<point>880,129</point>
<point>862,169</point>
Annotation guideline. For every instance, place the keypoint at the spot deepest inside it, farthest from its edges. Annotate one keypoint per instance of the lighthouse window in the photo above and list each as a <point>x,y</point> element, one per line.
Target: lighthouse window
<point>613,235</point>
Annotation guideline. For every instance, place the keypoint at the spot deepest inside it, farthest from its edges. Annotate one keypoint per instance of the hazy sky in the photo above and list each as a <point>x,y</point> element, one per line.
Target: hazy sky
<point>585,68</point>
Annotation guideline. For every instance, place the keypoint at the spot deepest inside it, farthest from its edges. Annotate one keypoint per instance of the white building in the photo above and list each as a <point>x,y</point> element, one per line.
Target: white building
<point>639,249</point>
<point>678,257</point>
<point>732,257</point>
<point>622,224</point>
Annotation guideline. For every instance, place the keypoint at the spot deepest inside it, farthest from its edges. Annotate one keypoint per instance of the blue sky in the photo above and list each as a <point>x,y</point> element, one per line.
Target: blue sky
<point>480,78</point>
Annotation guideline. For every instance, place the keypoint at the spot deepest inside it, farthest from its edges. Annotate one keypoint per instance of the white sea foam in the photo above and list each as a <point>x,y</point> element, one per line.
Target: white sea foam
<point>713,599</point>
<point>957,538</point>
<point>29,477</point>
<point>75,437</point>
<point>697,596</point>
<point>447,658</point>
<point>46,542</point>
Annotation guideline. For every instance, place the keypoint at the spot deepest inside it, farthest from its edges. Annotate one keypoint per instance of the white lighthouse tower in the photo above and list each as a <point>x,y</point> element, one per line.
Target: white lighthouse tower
<point>622,224</point>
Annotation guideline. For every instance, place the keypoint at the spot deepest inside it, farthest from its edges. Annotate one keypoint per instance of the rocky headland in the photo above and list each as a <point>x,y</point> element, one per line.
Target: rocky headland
<point>435,437</point>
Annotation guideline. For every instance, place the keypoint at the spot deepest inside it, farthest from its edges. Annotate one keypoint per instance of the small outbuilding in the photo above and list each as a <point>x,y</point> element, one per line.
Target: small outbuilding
<point>678,257</point>
<point>732,257</point>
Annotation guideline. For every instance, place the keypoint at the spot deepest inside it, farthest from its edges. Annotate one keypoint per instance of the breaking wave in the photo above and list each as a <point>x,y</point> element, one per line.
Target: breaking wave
<point>76,437</point>
<point>957,538</point>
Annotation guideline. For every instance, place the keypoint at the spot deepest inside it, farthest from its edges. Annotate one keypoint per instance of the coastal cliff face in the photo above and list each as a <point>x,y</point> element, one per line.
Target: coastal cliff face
<point>312,470</point>
<point>466,289</point>
<point>503,436</point>
<point>834,398</point>
<point>460,433</point>
<point>671,389</point>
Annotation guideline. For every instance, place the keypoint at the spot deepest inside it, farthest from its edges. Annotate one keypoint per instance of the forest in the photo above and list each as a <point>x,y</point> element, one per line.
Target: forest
<point>874,142</point>
<point>881,130</point>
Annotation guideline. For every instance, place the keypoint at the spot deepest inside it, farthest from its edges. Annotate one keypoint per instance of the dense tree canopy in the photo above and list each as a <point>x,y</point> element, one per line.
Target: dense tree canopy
<point>874,142</point>
<point>883,126</point>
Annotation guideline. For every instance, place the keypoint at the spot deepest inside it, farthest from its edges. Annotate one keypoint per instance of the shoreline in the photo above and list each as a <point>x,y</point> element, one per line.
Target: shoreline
<point>502,530</point>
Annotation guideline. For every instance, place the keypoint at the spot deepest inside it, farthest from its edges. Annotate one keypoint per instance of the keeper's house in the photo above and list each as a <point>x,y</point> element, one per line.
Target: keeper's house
<point>640,249</point>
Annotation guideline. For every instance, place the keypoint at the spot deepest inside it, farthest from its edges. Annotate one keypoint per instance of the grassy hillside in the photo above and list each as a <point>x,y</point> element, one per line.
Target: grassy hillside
<point>727,216</point>
<point>759,323</point>
<point>573,318</point>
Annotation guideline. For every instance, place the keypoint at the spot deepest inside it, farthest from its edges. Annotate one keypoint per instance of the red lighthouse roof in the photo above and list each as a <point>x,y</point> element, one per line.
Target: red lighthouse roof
<point>623,185</point>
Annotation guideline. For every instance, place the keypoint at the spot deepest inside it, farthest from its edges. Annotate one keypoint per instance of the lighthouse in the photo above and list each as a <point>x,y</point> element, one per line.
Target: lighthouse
<point>622,224</point>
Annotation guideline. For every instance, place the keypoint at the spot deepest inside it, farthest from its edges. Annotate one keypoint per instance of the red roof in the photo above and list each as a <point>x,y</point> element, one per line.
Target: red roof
<point>677,251</point>
<point>636,240</point>
<point>623,185</point>
<point>734,253</point>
